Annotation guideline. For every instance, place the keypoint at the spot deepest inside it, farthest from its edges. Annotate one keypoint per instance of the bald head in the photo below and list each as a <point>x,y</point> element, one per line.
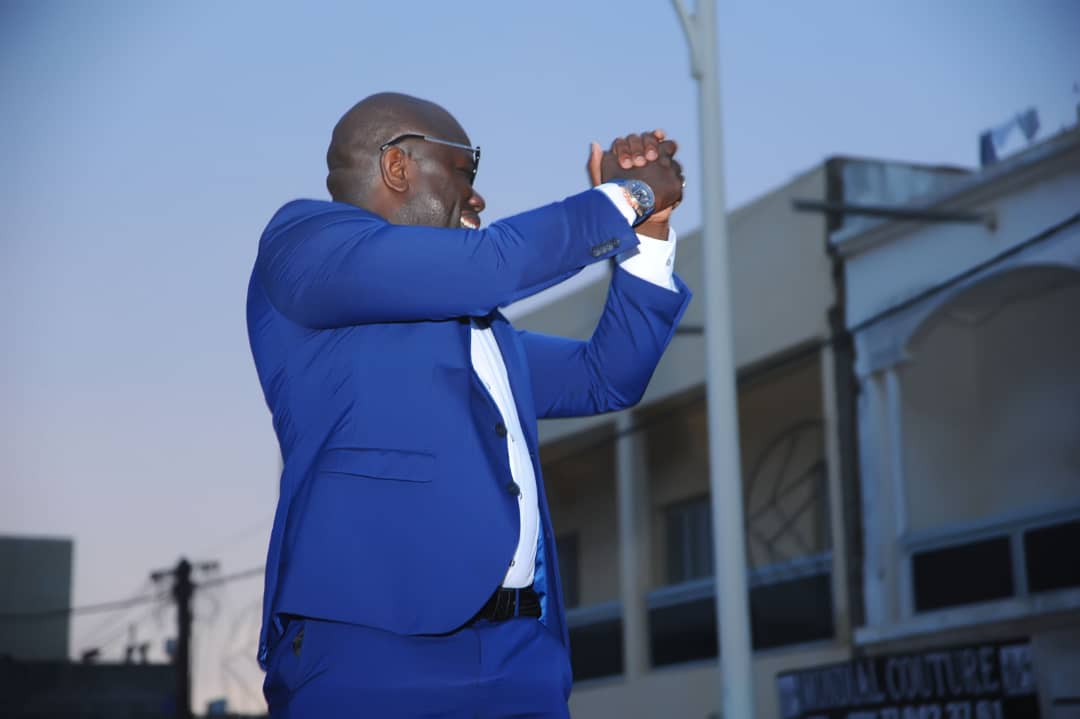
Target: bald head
<point>353,156</point>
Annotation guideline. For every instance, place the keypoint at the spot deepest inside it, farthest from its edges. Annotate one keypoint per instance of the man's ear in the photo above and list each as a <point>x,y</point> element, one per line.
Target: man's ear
<point>393,166</point>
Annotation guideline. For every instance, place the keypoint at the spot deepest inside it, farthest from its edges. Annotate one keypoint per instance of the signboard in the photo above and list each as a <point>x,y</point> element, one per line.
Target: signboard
<point>988,681</point>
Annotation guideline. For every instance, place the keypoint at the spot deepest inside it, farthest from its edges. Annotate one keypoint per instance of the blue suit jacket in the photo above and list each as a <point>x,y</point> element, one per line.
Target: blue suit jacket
<point>396,509</point>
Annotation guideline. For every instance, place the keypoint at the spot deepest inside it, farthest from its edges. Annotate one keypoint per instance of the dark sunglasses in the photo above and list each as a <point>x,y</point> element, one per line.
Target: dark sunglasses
<point>427,138</point>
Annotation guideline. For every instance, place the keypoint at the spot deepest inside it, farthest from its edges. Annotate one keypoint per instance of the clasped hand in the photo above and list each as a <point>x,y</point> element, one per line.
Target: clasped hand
<point>649,157</point>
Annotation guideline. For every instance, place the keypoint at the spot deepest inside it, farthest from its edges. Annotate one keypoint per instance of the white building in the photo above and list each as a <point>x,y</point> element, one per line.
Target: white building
<point>968,359</point>
<point>874,430</point>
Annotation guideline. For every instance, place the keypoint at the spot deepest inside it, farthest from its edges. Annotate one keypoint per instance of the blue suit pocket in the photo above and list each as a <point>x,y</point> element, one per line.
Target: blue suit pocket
<point>396,464</point>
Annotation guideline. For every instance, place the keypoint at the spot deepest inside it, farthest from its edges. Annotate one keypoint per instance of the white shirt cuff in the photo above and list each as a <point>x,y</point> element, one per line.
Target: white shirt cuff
<point>618,198</point>
<point>652,260</point>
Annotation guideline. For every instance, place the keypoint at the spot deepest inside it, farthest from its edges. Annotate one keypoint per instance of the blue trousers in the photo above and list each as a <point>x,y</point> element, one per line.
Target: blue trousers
<point>488,670</point>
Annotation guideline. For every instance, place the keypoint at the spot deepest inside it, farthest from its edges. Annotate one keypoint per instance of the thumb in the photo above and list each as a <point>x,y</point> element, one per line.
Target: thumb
<point>592,167</point>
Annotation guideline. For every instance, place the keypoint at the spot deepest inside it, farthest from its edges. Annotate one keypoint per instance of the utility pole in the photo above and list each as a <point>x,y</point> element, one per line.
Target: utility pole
<point>725,475</point>
<point>183,589</point>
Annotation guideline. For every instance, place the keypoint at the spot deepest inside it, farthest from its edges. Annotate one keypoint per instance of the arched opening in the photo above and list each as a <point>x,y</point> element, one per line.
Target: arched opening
<point>992,400</point>
<point>991,448</point>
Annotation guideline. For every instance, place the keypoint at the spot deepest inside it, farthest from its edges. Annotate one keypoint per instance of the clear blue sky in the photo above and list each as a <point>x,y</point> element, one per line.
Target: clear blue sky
<point>145,144</point>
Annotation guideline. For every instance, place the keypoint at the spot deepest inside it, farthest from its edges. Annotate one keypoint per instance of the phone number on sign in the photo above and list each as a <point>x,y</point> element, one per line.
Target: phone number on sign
<point>983,709</point>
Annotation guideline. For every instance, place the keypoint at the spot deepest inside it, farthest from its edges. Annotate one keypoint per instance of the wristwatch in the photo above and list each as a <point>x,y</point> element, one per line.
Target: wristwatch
<point>640,196</point>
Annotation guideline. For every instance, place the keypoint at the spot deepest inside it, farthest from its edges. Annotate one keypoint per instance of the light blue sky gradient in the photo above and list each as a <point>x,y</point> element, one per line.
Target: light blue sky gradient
<point>145,145</point>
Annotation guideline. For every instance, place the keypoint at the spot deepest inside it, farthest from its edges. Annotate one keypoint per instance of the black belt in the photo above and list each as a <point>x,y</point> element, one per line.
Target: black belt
<point>510,603</point>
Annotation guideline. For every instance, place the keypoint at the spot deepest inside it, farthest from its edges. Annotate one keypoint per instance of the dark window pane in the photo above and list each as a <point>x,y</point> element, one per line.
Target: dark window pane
<point>964,574</point>
<point>700,519</point>
<point>675,544</point>
<point>567,547</point>
<point>792,611</point>
<point>683,632</point>
<point>596,649</point>
<point>786,612</point>
<point>689,541</point>
<point>1050,563</point>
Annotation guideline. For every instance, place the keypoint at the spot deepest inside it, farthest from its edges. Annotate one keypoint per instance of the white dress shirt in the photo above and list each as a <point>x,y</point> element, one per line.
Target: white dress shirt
<point>652,260</point>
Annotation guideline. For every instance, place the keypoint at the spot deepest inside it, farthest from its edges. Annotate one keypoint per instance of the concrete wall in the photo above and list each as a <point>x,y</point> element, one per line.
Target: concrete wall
<point>36,576</point>
<point>992,407</point>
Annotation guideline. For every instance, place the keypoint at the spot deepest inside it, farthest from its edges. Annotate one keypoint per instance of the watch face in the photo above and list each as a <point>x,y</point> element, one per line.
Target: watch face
<point>643,195</point>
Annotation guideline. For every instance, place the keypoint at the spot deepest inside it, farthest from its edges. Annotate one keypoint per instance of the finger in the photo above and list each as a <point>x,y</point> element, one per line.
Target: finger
<point>637,149</point>
<point>621,149</point>
<point>592,165</point>
<point>669,148</point>
<point>651,144</point>
<point>659,134</point>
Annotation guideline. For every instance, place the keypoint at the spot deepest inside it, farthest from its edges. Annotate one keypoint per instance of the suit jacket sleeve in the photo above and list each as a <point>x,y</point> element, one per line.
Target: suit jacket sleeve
<point>327,264</point>
<point>610,371</point>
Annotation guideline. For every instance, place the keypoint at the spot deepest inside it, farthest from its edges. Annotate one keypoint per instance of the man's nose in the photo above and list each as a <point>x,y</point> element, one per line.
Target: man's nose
<point>476,202</point>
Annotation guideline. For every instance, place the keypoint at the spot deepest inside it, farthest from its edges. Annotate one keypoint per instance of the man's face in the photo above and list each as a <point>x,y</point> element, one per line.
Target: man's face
<point>440,185</point>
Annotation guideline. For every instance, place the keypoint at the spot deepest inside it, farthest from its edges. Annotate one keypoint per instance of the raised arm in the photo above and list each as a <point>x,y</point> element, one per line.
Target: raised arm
<point>327,264</point>
<point>644,304</point>
<point>610,371</point>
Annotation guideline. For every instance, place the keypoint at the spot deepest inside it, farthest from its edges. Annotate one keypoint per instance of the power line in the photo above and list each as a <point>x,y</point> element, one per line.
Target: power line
<point>121,603</point>
<point>106,643</point>
<point>90,637</point>
<point>85,609</point>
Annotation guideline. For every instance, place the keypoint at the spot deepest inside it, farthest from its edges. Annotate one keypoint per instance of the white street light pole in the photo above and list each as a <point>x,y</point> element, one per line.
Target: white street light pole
<point>725,476</point>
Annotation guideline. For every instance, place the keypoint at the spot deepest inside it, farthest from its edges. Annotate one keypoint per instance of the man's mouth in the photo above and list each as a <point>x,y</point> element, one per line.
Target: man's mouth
<point>470,222</point>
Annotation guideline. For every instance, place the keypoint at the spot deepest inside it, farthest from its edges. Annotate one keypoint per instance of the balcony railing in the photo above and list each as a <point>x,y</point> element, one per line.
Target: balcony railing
<point>790,603</point>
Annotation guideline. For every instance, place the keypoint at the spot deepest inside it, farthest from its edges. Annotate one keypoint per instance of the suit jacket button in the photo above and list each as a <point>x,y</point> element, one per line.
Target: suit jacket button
<point>500,429</point>
<point>513,489</point>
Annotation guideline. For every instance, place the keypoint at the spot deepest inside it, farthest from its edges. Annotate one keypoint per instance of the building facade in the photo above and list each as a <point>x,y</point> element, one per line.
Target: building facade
<point>967,341</point>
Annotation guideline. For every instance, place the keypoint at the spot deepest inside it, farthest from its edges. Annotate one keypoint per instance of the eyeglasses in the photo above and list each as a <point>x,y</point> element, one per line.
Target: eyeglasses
<point>426,138</point>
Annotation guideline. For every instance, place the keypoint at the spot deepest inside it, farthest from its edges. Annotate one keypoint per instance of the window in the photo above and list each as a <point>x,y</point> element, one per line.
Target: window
<point>790,603</point>
<point>596,641</point>
<point>682,628</point>
<point>1013,558</point>
<point>689,541</point>
<point>962,574</point>
<point>792,610</point>
<point>1050,564</point>
<point>567,548</point>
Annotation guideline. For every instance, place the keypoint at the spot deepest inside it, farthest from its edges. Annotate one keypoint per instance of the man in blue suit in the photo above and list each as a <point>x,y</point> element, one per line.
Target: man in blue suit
<point>412,568</point>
